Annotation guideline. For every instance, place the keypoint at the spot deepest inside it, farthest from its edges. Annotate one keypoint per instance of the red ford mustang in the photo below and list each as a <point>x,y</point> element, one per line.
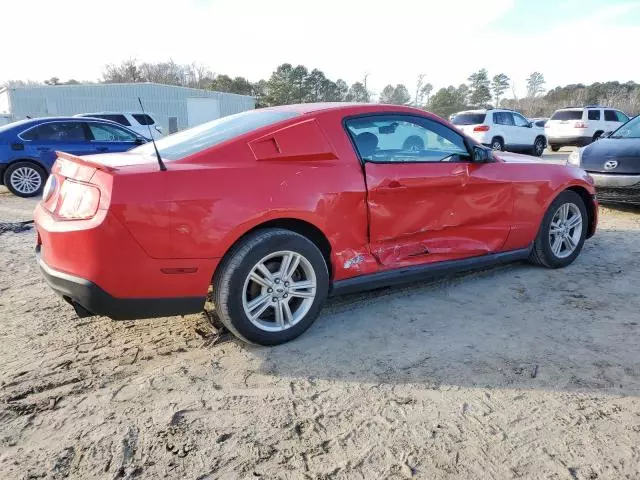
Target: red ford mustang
<point>278,208</point>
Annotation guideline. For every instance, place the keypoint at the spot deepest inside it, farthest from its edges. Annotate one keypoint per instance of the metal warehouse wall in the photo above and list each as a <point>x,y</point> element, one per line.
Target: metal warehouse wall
<point>163,101</point>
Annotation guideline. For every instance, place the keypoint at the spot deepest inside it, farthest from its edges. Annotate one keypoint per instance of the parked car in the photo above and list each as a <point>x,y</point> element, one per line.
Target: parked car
<point>501,130</point>
<point>538,123</point>
<point>279,207</point>
<point>28,147</point>
<point>614,163</point>
<point>578,127</point>
<point>139,122</point>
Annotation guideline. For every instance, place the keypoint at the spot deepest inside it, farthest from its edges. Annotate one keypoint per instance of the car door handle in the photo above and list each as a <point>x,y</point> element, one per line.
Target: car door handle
<point>392,184</point>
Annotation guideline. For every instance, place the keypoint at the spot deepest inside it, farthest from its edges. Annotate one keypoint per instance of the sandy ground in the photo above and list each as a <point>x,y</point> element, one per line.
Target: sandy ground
<point>515,372</point>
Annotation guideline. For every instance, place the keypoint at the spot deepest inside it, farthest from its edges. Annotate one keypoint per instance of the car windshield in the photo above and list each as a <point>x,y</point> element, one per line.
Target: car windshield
<point>631,129</point>
<point>469,118</point>
<point>567,115</point>
<point>196,139</point>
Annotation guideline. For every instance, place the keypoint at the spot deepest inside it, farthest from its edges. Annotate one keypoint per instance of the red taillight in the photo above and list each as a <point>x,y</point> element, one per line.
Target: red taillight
<point>77,200</point>
<point>481,128</point>
<point>580,125</point>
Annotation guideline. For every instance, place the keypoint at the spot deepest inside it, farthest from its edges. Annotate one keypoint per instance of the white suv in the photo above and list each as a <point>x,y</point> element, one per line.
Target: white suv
<point>581,126</point>
<point>137,121</point>
<point>501,130</point>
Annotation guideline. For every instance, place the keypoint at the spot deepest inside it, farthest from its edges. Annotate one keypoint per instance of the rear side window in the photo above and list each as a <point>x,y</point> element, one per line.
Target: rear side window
<point>540,123</point>
<point>143,118</point>
<point>502,118</point>
<point>610,116</point>
<point>622,117</point>
<point>593,114</point>
<point>207,135</point>
<point>57,132</point>
<point>469,119</point>
<point>567,115</point>
<point>121,119</point>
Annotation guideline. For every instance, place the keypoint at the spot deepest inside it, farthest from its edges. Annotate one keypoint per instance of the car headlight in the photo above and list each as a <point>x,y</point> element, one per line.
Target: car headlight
<point>575,158</point>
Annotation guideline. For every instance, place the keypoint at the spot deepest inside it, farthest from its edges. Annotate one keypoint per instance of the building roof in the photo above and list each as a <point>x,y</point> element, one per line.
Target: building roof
<point>108,85</point>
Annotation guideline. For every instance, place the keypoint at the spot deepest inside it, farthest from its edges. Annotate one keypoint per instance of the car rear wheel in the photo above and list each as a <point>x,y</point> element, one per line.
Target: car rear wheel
<point>539,146</point>
<point>562,232</point>
<point>554,148</point>
<point>25,179</point>
<point>497,144</point>
<point>271,286</point>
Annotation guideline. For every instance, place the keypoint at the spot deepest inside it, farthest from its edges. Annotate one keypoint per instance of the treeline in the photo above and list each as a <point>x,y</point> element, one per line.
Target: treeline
<point>297,84</point>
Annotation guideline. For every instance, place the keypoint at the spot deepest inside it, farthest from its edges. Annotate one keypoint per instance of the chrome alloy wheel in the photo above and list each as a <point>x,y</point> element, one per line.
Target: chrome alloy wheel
<point>25,180</point>
<point>565,230</point>
<point>279,291</point>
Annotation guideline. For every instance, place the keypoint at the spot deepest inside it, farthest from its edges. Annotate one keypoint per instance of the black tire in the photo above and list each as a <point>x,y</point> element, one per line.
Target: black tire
<point>497,144</point>
<point>542,253</point>
<point>38,174</point>
<point>554,148</point>
<point>539,144</point>
<point>413,143</point>
<point>229,283</point>
<point>596,135</point>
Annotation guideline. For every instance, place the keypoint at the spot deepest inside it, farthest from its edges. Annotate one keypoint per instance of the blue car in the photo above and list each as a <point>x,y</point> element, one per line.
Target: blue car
<point>27,147</point>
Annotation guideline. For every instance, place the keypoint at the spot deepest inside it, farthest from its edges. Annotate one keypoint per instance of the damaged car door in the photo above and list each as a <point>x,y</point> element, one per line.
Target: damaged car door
<point>427,200</point>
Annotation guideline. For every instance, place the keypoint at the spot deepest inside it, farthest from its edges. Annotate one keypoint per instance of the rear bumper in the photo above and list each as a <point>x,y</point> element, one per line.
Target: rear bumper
<point>89,299</point>
<point>568,141</point>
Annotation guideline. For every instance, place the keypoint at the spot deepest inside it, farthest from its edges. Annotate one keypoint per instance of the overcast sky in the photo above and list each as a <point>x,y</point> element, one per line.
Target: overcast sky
<point>569,41</point>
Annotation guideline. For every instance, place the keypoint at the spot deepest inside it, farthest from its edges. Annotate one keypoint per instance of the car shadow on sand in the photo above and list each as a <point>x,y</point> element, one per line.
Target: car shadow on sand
<point>516,326</point>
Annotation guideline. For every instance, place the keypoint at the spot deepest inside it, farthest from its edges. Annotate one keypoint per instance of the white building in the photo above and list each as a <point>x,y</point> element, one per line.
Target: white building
<point>175,107</point>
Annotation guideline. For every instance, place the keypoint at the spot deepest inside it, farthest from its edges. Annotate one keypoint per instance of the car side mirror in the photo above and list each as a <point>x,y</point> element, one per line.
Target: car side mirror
<point>481,154</point>
<point>530,125</point>
<point>140,141</point>
<point>603,135</point>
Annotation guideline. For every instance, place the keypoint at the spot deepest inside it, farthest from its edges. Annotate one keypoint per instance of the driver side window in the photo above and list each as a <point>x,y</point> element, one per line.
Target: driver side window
<point>519,120</point>
<point>110,133</point>
<point>404,138</point>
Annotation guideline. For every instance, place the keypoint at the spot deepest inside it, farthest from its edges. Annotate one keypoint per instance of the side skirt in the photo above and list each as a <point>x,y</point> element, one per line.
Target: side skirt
<point>423,272</point>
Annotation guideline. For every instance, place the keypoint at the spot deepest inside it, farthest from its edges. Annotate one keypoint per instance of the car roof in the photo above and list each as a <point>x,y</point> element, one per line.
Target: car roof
<point>347,108</point>
<point>31,122</point>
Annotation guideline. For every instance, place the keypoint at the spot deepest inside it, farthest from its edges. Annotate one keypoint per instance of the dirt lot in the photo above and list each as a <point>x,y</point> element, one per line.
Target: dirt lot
<point>516,372</point>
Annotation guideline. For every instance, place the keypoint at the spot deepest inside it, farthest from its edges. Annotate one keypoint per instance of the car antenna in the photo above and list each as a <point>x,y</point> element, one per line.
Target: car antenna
<point>160,162</point>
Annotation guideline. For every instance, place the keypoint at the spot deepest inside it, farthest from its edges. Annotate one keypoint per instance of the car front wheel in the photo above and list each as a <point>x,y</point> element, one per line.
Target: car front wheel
<point>25,179</point>
<point>562,232</point>
<point>271,286</point>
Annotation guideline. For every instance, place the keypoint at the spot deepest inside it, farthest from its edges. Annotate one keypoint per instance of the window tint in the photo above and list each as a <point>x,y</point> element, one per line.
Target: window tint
<point>468,118</point>
<point>567,115</point>
<point>110,133</point>
<point>610,116</point>
<point>207,135</point>
<point>622,117</point>
<point>519,120</point>
<point>121,119</point>
<point>593,114</point>
<point>143,118</point>
<point>57,132</point>
<point>399,138</point>
<point>502,118</point>
<point>540,123</point>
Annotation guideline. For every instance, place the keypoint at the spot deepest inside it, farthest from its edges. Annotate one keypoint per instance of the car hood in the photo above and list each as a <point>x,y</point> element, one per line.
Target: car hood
<point>516,157</point>
<point>624,151</point>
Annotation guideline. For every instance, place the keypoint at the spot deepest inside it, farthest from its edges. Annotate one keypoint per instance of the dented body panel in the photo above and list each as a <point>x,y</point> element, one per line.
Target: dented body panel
<point>177,225</point>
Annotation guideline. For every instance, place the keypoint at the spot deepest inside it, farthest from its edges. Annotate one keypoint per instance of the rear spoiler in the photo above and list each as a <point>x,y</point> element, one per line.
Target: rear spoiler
<point>85,161</point>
